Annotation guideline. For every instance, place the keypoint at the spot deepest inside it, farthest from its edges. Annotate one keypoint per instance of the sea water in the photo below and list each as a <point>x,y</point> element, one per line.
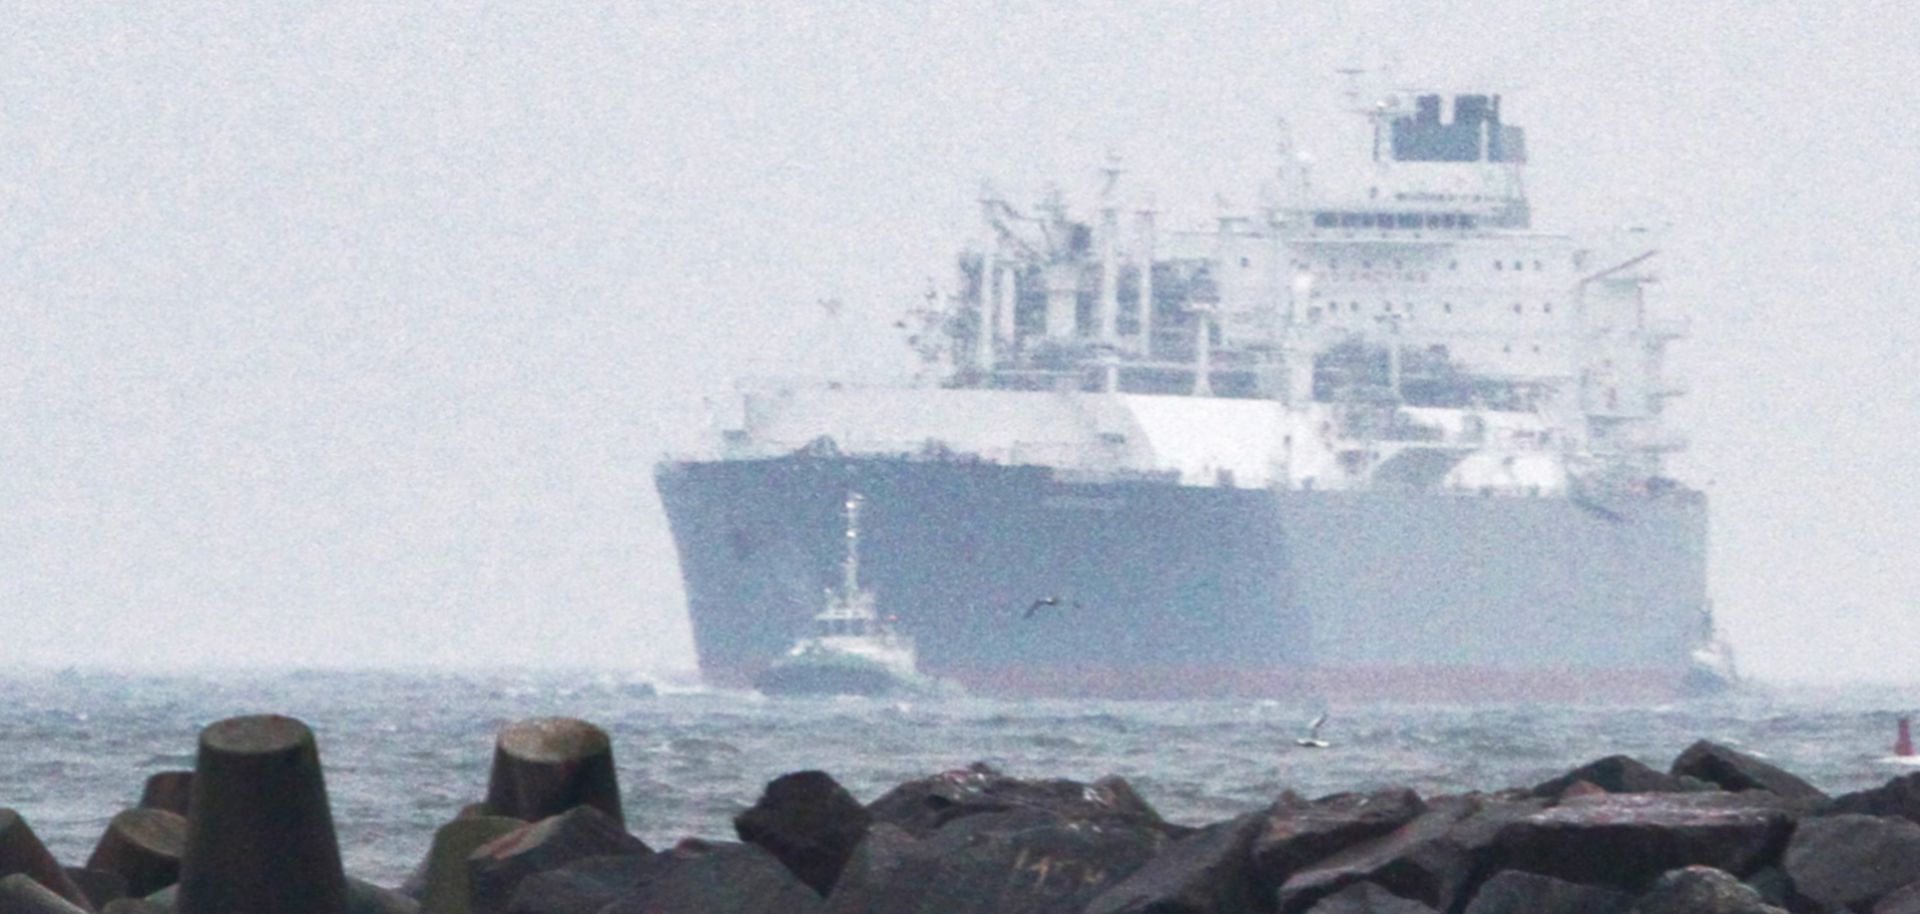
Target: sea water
<point>404,751</point>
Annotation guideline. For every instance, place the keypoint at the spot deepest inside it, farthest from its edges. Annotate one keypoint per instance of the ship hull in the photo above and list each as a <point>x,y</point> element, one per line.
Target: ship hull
<point>1186,591</point>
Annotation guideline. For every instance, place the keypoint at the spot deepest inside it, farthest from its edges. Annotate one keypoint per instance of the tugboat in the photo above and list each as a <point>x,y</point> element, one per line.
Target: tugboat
<point>1710,669</point>
<point>851,649</point>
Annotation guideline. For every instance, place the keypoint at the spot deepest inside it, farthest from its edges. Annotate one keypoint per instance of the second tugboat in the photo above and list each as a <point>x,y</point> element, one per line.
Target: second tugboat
<point>851,649</point>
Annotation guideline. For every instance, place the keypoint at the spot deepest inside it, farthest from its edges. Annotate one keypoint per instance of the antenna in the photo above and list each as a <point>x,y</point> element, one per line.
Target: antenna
<point>1352,76</point>
<point>850,566</point>
<point>1111,172</point>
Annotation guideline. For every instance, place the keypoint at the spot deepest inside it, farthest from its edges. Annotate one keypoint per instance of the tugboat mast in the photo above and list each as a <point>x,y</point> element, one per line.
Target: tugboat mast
<point>850,566</point>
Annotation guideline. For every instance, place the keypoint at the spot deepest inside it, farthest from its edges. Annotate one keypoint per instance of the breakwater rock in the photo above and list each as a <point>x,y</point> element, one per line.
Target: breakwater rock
<point>1718,831</point>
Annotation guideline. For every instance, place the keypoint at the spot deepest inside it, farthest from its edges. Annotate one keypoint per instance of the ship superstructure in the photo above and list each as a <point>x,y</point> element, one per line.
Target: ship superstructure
<point>1421,334</point>
<point>1322,422</point>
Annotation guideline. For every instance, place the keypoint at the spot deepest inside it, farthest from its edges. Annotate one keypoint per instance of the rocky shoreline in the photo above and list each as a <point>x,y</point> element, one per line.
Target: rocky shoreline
<point>1717,832</point>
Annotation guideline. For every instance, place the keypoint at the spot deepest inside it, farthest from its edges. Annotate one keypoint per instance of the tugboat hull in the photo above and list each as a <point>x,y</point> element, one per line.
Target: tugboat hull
<point>829,677</point>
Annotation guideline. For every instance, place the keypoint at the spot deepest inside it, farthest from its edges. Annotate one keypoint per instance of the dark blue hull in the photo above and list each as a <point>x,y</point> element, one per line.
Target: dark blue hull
<point>1195,591</point>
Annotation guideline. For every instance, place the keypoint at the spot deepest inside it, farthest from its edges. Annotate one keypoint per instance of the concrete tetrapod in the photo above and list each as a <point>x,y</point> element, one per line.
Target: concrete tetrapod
<point>99,886</point>
<point>545,766</point>
<point>21,852</point>
<point>261,835</point>
<point>168,790</point>
<point>21,894</point>
<point>445,885</point>
<point>144,846</point>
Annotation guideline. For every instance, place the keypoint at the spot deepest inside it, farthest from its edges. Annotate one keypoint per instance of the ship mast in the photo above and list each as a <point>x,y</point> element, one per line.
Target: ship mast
<point>850,566</point>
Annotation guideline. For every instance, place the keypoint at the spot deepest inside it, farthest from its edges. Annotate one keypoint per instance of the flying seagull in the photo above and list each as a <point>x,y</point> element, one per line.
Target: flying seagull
<point>1046,602</point>
<point>1312,740</point>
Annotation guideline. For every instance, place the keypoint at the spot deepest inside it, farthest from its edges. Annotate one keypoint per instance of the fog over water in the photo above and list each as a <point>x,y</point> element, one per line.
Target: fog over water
<point>347,334</point>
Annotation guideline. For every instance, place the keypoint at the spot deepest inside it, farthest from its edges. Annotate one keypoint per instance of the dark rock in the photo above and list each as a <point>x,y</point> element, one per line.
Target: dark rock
<point>1025,861</point>
<point>261,835</point>
<point>1702,890</point>
<point>168,790</point>
<point>725,879</point>
<point>22,894</point>
<point>888,852</point>
<point>584,886</point>
<point>1904,900</point>
<point>1732,769</point>
<point>1367,898</point>
<point>99,886</point>
<point>809,823</point>
<point>496,868</point>
<point>143,845</point>
<point>1298,833</point>
<point>1207,872</point>
<point>1438,861</point>
<point>922,806</point>
<point>1627,840</point>
<point>1850,861</point>
<point>1516,892</point>
<point>1619,774</point>
<point>1467,854</point>
<point>1118,793</point>
<point>1580,789</point>
<point>544,766</point>
<point>21,852</point>
<point>1897,797</point>
<point>1772,884</point>
<point>1403,860</point>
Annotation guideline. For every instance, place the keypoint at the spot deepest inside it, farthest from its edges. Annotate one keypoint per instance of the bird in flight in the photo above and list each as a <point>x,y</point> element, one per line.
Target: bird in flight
<point>1047,603</point>
<point>1312,740</point>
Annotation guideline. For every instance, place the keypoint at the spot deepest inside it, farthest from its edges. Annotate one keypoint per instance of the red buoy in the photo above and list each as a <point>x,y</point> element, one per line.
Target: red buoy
<point>1903,746</point>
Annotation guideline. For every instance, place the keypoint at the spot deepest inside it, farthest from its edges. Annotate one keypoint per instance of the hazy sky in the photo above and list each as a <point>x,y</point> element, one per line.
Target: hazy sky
<point>348,334</point>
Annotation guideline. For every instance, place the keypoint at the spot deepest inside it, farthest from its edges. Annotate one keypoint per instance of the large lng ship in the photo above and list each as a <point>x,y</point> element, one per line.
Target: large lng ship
<point>1392,442</point>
